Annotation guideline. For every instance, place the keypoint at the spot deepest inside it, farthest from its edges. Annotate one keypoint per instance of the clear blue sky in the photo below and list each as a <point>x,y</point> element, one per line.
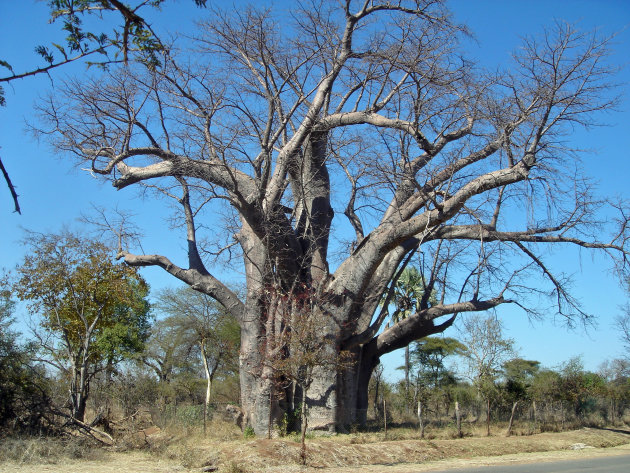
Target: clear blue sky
<point>53,193</point>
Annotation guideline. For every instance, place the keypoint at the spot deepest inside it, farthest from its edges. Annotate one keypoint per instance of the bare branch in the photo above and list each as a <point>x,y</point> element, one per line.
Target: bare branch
<point>11,187</point>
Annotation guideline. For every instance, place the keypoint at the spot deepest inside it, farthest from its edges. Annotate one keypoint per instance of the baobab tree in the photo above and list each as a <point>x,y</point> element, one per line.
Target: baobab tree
<point>272,125</point>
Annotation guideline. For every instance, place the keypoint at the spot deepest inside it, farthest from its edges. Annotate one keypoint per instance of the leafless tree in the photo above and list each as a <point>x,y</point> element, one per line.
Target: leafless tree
<point>486,350</point>
<point>622,322</point>
<point>623,325</point>
<point>273,125</point>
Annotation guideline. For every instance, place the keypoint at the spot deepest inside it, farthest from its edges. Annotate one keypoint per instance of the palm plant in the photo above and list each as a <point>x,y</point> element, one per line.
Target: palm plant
<point>408,293</point>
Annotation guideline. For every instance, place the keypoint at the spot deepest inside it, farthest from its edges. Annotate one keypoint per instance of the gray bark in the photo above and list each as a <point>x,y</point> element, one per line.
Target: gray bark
<point>510,424</point>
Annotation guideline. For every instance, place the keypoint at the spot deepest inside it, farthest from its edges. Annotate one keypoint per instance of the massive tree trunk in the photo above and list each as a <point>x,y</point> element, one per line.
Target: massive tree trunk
<point>365,367</point>
<point>337,397</point>
<point>262,398</point>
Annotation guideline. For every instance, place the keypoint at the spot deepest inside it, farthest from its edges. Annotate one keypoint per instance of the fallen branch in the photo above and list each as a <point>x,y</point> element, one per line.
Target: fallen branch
<point>88,429</point>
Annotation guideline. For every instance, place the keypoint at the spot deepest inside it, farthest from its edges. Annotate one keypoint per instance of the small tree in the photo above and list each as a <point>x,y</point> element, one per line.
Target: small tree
<point>519,374</point>
<point>545,390</point>
<point>427,361</point>
<point>167,355</point>
<point>93,313</point>
<point>203,322</point>
<point>299,348</point>
<point>167,350</point>
<point>617,375</point>
<point>486,350</point>
<point>579,387</point>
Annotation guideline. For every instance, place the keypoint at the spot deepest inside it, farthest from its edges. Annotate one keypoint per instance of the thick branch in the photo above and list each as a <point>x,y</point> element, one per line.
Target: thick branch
<point>205,283</point>
<point>362,118</point>
<point>194,260</point>
<point>421,324</point>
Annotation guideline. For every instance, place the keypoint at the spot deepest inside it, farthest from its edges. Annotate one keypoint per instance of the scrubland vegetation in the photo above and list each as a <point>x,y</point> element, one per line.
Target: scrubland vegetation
<point>155,399</point>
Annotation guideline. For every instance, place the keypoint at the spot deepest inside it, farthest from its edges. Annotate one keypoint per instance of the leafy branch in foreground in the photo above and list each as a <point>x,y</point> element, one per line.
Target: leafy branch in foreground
<point>129,33</point>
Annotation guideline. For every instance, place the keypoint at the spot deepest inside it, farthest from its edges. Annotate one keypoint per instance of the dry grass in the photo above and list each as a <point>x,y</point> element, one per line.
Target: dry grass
<point>401,446</point>
<point>48,450</point>
<point>225,449</point>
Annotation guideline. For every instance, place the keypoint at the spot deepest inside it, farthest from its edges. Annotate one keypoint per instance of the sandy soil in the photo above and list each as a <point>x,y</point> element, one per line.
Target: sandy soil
<point>133,462</point>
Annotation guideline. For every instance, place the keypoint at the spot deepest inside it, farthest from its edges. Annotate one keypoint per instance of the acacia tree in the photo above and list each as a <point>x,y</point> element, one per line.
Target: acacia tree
<point>363,109</point>
<point>431,375</point>
<point>578,386</point>
<point>169,354</point>
<point>519,375</point>
<point>213,330</point>
<point>546,389</point>
<point>167,349</point>
<point>93,312</point>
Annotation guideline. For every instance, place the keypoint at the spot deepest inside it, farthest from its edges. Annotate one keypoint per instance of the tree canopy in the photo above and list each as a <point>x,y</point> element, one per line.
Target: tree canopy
<point>428,357</point>
<point>92,312</point>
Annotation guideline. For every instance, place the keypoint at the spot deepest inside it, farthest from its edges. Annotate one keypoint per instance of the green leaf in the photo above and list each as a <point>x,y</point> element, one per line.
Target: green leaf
<point>61,50</point>
<point>45,54</point>
<point>6,65</point>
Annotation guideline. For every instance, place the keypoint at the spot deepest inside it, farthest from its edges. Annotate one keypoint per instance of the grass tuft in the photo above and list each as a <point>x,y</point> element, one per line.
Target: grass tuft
<point>233,467</point>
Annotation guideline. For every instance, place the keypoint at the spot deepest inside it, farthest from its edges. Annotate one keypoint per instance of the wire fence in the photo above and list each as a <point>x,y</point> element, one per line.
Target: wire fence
<point>466,416</point>
<point>527,417</point>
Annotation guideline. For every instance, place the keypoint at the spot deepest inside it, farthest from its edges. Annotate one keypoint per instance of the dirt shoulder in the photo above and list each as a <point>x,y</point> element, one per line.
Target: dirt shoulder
<point>345,454</point>
<point>513,459</point>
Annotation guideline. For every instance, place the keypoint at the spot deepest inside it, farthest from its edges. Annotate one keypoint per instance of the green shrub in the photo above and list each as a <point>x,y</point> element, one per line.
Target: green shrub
<point>248,433</point>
